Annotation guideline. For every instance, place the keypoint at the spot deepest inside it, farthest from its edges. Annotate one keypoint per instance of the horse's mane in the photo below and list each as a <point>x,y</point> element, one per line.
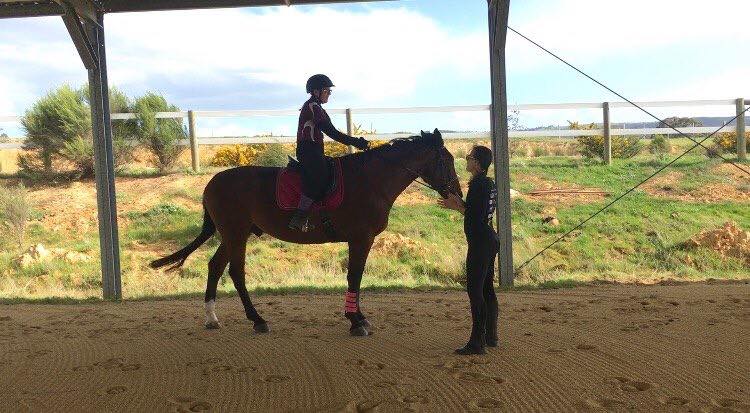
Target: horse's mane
<point>398,145</point>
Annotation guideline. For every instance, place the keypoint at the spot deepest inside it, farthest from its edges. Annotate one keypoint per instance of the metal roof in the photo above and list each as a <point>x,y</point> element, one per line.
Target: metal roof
<point>29,8</point>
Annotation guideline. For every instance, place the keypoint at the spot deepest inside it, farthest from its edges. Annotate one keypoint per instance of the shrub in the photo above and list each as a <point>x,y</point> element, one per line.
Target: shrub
<point>623,147</point>
<point>727,141</point>
<point>335,149</point>
<point>237,155</point>
<point>659,146</point>
<point>59,126</point>
<point>272,155</point>
<point>160,136</point>
<point>123,131</point>
<point>54,120</point>
<point>14,211</point>
<point>80,152</point>
<point>540,151</point>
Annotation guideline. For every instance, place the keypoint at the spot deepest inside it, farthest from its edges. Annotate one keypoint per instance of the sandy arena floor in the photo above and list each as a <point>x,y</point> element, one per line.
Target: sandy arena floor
<point>598,348</point>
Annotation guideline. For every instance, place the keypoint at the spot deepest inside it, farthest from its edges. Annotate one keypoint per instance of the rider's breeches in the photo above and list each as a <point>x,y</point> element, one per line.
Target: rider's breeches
<point>315,176</point>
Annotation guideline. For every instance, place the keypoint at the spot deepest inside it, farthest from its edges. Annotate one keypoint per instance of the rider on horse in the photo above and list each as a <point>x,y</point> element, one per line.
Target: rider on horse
<point>313,123</point>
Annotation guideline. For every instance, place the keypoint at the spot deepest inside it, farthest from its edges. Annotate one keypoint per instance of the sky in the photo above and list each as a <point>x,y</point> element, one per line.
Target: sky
<point>396,54</point>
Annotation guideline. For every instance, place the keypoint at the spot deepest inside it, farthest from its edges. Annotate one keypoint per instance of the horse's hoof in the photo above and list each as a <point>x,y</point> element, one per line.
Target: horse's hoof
<point>261,328</point>
<point>360,331</point>
<point>212,325</point>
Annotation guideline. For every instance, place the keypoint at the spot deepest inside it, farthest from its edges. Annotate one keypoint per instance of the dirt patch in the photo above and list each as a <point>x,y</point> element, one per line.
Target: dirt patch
<point>597,348</point>
<point>668,186</point>
<point>73,207</point>
<point>391,244</point>
<point>555,193</point>
<point>729,240</point>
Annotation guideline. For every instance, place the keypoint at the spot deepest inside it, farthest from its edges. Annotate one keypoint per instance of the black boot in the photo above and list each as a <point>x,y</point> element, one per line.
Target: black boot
<point>476,342</point>
<point>491,327</point>
<point>299,220</point>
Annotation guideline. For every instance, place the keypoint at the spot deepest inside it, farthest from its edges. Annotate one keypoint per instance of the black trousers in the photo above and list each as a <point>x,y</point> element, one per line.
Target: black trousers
<point>315,170</point>
<point>480,274</point>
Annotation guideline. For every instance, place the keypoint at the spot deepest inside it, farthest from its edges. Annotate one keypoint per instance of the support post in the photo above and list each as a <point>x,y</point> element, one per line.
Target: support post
<point>741,141</point>
<point>109,244</point>
<point>349,126</point>
<point>607,125</point>
<point>498,23</point>
<point>194,153</point>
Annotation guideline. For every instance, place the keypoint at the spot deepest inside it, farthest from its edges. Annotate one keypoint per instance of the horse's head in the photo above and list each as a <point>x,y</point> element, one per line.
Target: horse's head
<point>440,172</point>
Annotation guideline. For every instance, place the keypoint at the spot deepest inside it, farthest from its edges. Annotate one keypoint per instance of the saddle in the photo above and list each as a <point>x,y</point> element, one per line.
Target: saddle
<point>289,187</point>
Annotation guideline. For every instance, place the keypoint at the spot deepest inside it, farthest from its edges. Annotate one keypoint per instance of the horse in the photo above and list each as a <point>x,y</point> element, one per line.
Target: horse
<point>239,202</point>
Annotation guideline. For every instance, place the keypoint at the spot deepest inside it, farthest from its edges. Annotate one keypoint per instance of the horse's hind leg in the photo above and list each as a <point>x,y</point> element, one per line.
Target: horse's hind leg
<point>237,272</point>
<point>216,267</point>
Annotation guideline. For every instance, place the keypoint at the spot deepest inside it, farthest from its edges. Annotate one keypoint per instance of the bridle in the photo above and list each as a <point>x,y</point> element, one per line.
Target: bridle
<point>443,187</point>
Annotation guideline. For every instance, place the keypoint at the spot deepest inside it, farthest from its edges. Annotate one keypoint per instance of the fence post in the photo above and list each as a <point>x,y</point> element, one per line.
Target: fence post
<point>741,141</point>
<point>194,154</point>
<point>349,127</point>
<point>607,125</point>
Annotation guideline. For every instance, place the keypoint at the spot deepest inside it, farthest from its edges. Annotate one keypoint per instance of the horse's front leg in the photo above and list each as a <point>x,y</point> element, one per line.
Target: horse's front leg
<point>358,251</point>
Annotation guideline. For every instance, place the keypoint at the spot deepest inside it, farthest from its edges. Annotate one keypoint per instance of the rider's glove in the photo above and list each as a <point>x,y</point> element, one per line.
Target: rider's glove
<point>361,143</point>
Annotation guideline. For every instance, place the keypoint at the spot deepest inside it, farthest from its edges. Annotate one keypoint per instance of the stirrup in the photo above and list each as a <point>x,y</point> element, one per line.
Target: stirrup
<point>299,221</point>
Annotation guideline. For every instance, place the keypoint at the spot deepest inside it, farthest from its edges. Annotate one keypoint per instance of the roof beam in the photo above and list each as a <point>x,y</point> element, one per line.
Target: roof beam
<point>78,34</point>
<point>114,6</point>
<point>29,9</point>
<point>84,8</point>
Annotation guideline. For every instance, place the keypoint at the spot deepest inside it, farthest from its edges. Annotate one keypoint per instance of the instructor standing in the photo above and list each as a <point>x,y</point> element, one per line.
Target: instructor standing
<point>482,240</point>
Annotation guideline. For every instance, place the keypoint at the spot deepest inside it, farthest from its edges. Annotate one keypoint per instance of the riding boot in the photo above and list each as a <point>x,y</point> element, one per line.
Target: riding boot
<point>299,219</point>
<point>476,341</point>
<point>491,325</point>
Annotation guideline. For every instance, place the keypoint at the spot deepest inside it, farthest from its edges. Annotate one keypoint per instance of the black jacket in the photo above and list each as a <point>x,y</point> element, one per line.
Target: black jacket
<point>481,200</point>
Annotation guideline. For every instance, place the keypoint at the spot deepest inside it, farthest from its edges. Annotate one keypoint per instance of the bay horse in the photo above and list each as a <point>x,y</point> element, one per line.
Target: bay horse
<point>240,201</point>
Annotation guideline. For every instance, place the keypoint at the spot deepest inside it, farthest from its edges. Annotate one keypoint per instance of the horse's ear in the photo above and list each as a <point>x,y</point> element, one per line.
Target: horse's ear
<point>421,133</point>
<point>437,133</point>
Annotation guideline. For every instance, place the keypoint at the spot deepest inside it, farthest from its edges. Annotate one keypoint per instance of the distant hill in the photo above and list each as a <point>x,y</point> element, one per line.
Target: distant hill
<point>711,121</point>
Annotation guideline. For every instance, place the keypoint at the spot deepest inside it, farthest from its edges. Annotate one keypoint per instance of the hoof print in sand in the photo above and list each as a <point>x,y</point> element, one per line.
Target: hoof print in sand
<point>276,378</point>
<point>587,347</point>
<point>601,403</point>
<point>632,386</point>
<point>486,404</point>
<point>185,404</point>
<point>476,377</point>
<point>675,401</point>
<point>730,405</point>
<point>216,369</point>
<point>415,399</point>
<point>365,365</point>
<point>368,406</point>
<point>116,390</point>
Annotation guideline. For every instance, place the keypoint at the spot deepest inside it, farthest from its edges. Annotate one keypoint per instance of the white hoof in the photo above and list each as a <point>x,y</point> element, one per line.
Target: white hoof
<point>212,322</point>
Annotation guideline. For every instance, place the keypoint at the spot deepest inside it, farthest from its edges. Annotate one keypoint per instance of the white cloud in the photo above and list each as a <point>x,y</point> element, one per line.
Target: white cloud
<point>376,56</point>
<point>589,30</point>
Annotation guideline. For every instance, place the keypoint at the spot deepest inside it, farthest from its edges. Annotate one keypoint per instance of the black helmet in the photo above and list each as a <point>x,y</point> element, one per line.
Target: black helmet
<point>317,82</point>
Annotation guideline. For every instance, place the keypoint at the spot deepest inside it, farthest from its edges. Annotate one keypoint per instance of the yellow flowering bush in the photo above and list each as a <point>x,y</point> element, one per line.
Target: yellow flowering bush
<point>727,141</point>
<point>335,149</point>
<point>236,155</point>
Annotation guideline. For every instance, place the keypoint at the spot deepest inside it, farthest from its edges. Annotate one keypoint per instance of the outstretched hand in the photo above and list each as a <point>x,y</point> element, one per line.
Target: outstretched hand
<point>452,202</point>
<point>361,144</point>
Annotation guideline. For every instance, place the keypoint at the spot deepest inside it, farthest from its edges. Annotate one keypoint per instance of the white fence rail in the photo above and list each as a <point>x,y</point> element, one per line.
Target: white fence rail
<point>606,130</point>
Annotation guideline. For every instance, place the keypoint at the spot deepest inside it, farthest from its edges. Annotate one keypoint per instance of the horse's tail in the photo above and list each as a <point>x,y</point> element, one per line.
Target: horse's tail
<point>179,257</point>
